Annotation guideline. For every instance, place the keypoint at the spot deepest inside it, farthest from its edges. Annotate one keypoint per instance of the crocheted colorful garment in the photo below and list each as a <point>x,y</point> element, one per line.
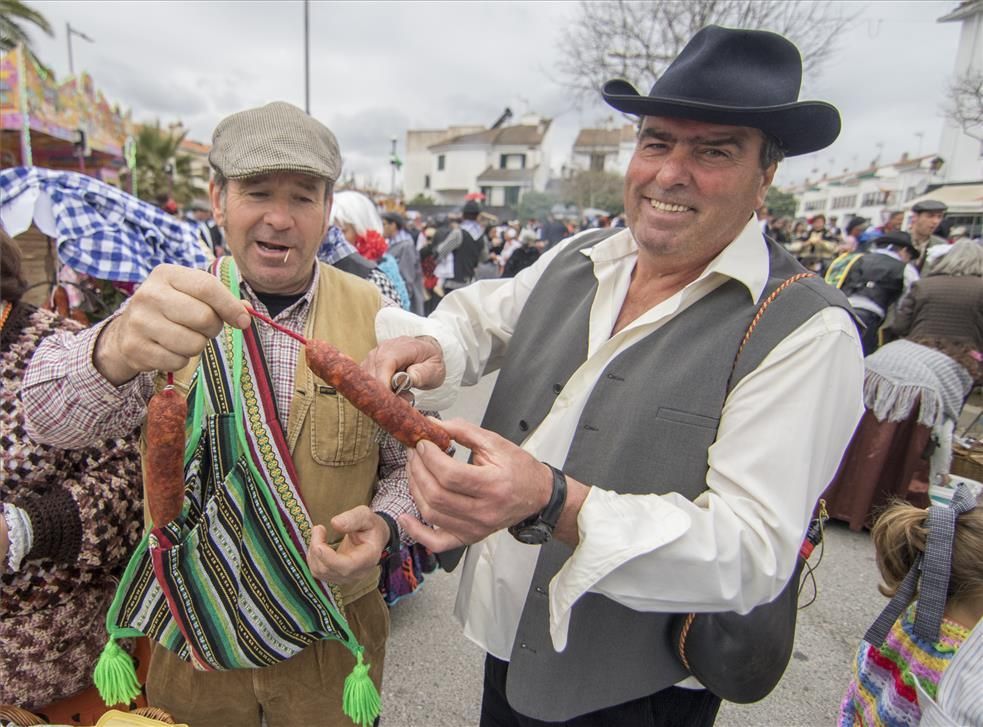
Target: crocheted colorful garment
<point>86,512</point>
<point>882,692</point>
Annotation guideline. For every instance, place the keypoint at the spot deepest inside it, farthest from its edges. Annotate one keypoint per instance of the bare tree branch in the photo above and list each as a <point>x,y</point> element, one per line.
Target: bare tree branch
<point>637,40</point>
<point>964,104</point>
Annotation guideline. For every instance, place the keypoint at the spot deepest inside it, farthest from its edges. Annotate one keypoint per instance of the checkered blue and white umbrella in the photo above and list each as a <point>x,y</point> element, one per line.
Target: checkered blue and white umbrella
<point>100,230</point>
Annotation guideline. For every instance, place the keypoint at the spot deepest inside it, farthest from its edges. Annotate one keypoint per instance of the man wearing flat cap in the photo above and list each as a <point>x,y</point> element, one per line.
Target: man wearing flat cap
<point>262,593</point>
<point>638,458</point>
<point>926,217</point>
<point>402,247</point>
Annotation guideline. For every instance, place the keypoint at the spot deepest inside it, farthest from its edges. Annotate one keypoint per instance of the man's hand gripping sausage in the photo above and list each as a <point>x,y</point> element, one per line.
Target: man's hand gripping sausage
<point>169,319</point>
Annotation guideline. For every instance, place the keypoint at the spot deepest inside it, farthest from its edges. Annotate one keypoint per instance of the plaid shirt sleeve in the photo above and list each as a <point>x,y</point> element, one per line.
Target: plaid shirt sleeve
<point>67,402</point>
<point>393,491</point>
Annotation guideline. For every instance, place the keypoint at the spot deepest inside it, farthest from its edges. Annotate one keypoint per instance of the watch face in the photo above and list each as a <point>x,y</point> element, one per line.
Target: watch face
<point>535,534</point>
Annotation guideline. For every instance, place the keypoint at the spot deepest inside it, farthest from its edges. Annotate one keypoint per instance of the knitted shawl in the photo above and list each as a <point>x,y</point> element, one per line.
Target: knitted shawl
<point>902,374</point>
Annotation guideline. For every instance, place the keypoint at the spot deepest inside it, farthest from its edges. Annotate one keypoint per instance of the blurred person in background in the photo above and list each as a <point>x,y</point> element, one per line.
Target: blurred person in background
<point>69,519</point>
<point>816,248</point>
<point>402,247</point>
<point>926,217</point>
<point>799,230</point>
<point>779,230</point>
<point>948,302</point>
<point>523,256</point>
<point>893,222</point>
<point>358,220</point>
<point>873,282</point>
<point>200,213</point>
<point>851,241</point>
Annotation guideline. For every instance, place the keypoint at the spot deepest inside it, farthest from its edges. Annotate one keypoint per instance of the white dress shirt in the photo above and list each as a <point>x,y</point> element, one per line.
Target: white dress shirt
<point>783,430</point>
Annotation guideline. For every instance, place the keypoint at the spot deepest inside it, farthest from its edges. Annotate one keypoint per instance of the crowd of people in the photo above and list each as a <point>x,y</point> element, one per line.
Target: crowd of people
<point>675,393</point>
<point>816,241</point>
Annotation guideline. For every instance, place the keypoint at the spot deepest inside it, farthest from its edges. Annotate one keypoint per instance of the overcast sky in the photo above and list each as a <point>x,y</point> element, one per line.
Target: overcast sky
<point>378,69</point>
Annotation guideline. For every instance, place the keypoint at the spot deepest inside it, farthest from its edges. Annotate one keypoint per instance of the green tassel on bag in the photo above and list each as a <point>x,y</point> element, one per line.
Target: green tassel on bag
<point>115,676</point>
<point>360,699</point>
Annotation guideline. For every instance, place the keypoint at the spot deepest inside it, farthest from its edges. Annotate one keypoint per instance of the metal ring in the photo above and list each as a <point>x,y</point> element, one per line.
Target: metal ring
<point>401,382</point>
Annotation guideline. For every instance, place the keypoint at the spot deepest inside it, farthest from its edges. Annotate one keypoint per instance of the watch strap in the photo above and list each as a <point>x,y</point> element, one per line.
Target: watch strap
<point>558,498</point>
<point>538,528</point>
<point>392,547</point>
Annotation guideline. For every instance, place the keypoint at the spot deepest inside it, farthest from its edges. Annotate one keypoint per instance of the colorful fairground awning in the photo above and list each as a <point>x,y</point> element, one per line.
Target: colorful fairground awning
<point>42,121</point>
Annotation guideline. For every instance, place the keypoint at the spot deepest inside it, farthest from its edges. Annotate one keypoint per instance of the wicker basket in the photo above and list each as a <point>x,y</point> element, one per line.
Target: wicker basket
<point>968,461</point>
<point>15,715</point>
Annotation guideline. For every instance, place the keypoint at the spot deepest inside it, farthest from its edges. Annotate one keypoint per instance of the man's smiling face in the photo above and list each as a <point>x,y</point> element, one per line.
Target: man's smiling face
<point>691,187</point>
<point>274,225</point>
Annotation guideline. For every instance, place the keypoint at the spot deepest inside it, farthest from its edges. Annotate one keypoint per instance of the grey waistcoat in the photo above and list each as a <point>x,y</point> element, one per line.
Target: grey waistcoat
<point>646,428</point>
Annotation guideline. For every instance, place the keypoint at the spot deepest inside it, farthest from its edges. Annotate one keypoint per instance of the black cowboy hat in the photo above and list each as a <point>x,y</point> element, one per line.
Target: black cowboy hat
<point>738,78</point>
<point>896,239</point>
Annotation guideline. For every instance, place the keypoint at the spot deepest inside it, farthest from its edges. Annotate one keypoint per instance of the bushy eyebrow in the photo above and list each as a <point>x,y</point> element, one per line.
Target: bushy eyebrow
<point>727,140</point>
<point>309,185</point>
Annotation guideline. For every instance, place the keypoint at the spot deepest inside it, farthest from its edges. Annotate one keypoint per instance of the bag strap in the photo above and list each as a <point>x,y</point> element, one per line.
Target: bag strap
<point>758,315</point>
<point>688,621</point>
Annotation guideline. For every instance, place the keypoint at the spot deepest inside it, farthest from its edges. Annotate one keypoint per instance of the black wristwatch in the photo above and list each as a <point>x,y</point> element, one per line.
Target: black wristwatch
<point>538,529</point>
<point>391,550</point>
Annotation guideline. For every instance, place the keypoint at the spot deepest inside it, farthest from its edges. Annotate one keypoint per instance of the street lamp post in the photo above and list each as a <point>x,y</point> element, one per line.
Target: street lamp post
<point>307,57</point>
<point>69,32</point>
<point>392,175</point>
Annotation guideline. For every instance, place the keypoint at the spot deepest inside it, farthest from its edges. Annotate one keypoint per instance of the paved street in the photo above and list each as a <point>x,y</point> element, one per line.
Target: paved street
<point>433,674</point>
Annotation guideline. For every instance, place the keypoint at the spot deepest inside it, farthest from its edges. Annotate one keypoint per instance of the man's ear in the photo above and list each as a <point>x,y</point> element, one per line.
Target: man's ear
<point>767,178</point>
<point>327,215</point>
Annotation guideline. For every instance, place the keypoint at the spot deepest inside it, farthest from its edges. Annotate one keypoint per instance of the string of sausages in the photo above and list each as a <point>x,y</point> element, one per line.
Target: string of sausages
<point>168,410</point>
<point>164,460</point>
<point>391,412</point>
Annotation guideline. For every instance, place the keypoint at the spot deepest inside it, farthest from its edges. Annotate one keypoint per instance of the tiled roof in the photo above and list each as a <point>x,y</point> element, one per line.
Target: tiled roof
<point>530,135</point>
<point>195,146</point>
<point>605,137</point>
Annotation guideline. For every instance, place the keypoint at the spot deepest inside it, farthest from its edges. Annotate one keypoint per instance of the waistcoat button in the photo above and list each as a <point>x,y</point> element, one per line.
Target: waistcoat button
<point>524,425</point>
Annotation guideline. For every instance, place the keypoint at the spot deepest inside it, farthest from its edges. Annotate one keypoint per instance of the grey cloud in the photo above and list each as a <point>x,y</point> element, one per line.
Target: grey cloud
<point>380,68</point>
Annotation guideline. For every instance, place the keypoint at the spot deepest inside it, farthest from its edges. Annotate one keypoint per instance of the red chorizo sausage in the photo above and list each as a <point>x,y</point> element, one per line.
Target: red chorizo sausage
<point>369,396</point>
<point>164,471</point>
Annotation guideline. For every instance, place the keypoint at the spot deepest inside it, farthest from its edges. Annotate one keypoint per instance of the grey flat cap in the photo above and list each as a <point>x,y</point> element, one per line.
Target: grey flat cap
<point>278,137</point>
<point>929,205</point>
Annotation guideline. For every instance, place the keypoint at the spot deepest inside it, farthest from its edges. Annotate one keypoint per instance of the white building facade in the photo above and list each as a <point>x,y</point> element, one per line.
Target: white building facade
<point>872,193</point>
<point>963,154</point>
<point>607,149</point>
<point>502,163</point>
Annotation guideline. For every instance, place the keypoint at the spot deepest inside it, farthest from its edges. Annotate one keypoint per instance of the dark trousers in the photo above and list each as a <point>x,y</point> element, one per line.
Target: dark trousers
<point>672,707</point>
<point>872,322</point>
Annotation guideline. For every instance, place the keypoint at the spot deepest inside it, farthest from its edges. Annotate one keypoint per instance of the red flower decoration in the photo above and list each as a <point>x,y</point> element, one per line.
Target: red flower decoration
<point>371,245</point>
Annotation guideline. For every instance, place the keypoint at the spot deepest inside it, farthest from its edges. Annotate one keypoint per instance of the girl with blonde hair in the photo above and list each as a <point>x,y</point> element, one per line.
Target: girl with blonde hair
<point>933,554</point>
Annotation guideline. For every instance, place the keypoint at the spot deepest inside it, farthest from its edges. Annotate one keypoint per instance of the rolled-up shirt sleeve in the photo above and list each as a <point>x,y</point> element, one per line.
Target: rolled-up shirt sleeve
<point>68,403</point>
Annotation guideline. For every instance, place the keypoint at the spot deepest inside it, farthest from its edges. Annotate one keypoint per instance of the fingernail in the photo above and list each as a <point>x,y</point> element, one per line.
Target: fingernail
<point>243,321</point>
<point>420,445</point>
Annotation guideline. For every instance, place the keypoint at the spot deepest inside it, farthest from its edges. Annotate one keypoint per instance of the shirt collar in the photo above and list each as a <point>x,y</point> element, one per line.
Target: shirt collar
<point>301,305</point>
<point>745,259</point>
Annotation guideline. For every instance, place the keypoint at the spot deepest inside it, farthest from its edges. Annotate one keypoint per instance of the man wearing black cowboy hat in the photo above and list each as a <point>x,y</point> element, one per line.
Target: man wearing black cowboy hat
<point>683,466</point>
